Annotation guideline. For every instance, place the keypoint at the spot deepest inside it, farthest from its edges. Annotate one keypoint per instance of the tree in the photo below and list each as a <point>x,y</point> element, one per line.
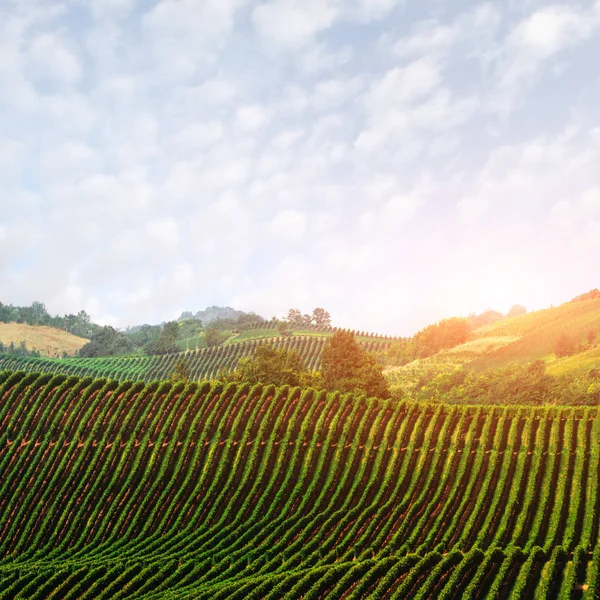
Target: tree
<point>283,328</point>
<point>181,372</point>
<point>270,365</point>
<point>166,343</point>
<point>591,337</point>
<point>214,337</point>
<point>565,346</point>
<point>294,317</point>
<point>107,341</point>
<point>346,367</point>
<point>321,317</point>
<point>39,314</point>
<point>516,310</point>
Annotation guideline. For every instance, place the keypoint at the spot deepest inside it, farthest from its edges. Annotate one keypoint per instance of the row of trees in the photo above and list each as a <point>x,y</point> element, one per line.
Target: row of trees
<point>319,317</point>
<point>18,350</point>
<point>345,367</point>
<point>79,324</point>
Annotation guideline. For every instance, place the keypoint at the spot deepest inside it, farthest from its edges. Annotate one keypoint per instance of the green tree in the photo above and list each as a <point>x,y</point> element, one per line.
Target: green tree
<point>166,343</point>
<point>294,317</point>
<point>283,328</point>
<point>181,372</point>
<point>346,367</point>
<point>321,317</point>
<point>214,337</point>
<point>272,366</point>
<point>107,341</point>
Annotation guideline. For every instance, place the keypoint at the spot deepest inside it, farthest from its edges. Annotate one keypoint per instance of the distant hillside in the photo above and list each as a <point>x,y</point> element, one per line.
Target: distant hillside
<point>537,334</point>
<point>547,356</point>
<point>48,341</point>
<point>200,364</point>
<point>212,313</point>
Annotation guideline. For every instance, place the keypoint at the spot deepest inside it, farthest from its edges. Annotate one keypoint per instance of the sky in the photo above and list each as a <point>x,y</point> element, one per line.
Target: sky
<point>394,161</point>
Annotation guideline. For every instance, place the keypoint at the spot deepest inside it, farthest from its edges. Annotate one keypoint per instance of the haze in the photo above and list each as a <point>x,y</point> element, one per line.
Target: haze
<point>395,162</point>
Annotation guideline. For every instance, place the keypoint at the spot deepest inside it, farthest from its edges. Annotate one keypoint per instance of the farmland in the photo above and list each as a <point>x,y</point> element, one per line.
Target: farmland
<point>200,364</point>
<point>139,489</point>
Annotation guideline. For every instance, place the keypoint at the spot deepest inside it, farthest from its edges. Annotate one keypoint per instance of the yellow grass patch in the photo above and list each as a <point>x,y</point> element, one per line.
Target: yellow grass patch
<point>48,340</point>
<point>483,345</point>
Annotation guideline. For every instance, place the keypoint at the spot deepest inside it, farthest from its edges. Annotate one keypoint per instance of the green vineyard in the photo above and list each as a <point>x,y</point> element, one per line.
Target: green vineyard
<point>201,364</point>
<point>134,489</point>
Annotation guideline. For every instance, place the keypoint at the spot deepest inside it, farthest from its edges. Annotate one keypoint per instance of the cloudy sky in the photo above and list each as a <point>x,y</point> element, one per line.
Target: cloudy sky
<point>395,161</point>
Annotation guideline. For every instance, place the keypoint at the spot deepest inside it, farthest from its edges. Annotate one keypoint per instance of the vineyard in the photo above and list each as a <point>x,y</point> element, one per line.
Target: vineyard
<point>134,489</point>
<point>200,364</point>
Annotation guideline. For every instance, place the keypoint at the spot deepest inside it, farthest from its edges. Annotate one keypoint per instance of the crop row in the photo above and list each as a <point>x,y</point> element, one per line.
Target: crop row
<point>201,364</point>
<point>204,490</point>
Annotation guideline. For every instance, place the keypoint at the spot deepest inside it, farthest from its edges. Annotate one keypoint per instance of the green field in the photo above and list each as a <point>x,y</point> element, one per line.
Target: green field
<point>200,364</point>
<point>154,490</point>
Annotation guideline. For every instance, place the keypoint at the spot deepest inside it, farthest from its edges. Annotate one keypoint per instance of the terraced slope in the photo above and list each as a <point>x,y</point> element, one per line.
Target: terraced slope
<point>201,364</point>
<point>153,490</point>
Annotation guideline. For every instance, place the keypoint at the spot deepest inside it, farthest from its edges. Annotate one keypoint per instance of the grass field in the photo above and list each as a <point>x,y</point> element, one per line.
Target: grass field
<point>538,333</point>
<point>48,340</point>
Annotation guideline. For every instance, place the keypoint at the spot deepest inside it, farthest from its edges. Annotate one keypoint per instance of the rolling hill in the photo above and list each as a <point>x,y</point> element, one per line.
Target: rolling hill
<point>158,490</point>
<point>519,340</point>
<point>49,341</point>
<point>200,364</point>
<point>537,333</point>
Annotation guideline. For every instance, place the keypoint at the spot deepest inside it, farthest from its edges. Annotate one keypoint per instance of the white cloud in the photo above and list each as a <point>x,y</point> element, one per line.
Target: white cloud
<point>473,28</point>
<point>534,40</point>
<point>111,9</point>
<point>331,93</point>
<point>293,22</point>
<point>51,58</point>
<point>183,35</point>
<point>198,136</point>
<point>288,226</point>
<point>252,118</point>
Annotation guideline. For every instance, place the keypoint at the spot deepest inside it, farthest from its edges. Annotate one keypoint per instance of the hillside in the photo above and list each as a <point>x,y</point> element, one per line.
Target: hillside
<point>138,490</point>
<point>538,332</point>
<point>475,370</point>
<point>49,341</point>
<point>200,364</point>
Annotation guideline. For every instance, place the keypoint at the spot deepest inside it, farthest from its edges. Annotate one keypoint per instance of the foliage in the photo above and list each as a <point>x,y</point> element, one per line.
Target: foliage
<point>107,342</point>
<point>203,364</point>
<point>277,366</point>
<point>172,490</point>
<point>36,314</point>
<point>181,373</point>
<point>448,333</point>
<point>166,343</point>
<point>213,336</point>
<point>189,328</point>
<point>283,328</point>
<point>142,335</point>
<point>319,318</point>
<point>565,346</point>
<point>18,350</point>
<point>523,384</point>
<point>346,367</point>
<point>516,311</point>
<point>485,318</point>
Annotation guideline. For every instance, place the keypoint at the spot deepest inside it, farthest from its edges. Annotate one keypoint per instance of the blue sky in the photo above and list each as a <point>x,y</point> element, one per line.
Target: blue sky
<point>395,161</point>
